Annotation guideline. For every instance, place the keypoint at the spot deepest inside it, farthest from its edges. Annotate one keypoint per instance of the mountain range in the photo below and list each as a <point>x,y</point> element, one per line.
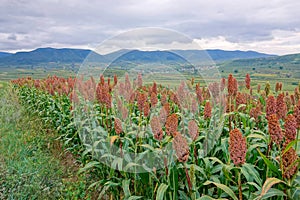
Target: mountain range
<point>44,56</point>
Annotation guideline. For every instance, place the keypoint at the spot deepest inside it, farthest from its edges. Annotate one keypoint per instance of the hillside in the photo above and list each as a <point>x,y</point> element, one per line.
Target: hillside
<point>44,56</point>
<point>4,54</point>
<point>286,61</point>
<point>218,55</point>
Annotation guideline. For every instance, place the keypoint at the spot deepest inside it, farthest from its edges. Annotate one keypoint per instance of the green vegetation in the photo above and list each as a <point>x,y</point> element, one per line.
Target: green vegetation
<point>285,69</point>
<point>33,163</point>
<point>252,158</point>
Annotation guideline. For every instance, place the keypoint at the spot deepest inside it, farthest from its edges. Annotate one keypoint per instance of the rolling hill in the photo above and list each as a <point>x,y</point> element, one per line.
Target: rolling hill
<point>44,56</point>
<point>4,54</point>
<point>291,60</point>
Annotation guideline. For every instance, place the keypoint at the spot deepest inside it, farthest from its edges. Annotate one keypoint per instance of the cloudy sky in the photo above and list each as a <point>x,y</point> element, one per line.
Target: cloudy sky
<point>267,26</point>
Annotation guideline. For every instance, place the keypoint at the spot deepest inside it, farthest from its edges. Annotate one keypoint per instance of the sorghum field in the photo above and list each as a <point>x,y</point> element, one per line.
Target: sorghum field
<point>147,141</point>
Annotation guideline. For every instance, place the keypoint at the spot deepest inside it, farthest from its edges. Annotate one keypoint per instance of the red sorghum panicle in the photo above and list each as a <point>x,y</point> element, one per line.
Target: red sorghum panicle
<point>156,128</point>
<point>163,99</point>
<point>127,83</point>
<point>207,110</point>
<point>194,106</point>
<point>118,126</point>
<point>275,129</point>
<point>241,99</point>
<point>258,88</point>
<point>146,109</point>
<point>193,129</point>
<point>74,97</point>
<point>139,80</point>
<point>153,99</point>
<point>119,103</point>
<point>181,147</point>
<point>154,88</point>
<point>255,112</point>
<point>277,87</point>
<point>222,84</point>
<point>237,147</point>
<point>288,101</point>
<point>281,107</point>
<point>181,92</point>
<point>164,112</point>
<point>297,114</point>
<point>230,84</point>
<point>247,81</point>
<point>290,127</point>
<point>271,106</point>
<point>141,99</point>
<point>174,98</point>
<point>171,124</point>
<point>293,99</point>
<point>115,79</point>
<point>214,89</point>
<point>102,80</point>
<point>199,93</point>
<point>289,163</point>
<point>235,86</point>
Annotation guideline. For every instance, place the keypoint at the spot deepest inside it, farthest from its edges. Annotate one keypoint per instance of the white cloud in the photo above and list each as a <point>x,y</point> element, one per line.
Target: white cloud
<point>220,23</point>
<point>282,42</point>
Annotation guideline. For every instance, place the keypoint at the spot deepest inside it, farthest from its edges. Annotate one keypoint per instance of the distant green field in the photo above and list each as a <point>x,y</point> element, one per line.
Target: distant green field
<point>7,74</point>
<point>289,75</point>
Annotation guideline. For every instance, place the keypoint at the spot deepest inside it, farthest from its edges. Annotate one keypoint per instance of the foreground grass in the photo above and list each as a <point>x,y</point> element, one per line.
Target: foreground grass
<point>33,164</point>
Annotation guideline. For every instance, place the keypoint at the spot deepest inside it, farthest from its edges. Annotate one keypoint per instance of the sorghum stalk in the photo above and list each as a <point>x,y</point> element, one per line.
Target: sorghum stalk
<point>240,186</point>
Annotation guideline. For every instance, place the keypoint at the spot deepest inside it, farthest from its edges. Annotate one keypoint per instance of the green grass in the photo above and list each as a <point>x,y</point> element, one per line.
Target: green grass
<point>27,170</point>
<point>7,73</point>
<point>32,163</point>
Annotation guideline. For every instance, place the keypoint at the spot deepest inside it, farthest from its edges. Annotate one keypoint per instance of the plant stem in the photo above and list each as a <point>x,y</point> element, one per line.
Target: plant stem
<point>297,138</point>
<point>240,186</point>
<point>188,179</point>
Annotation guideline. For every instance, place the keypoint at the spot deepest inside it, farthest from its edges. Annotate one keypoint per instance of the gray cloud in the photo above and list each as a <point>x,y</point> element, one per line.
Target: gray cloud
<point>32,24</point>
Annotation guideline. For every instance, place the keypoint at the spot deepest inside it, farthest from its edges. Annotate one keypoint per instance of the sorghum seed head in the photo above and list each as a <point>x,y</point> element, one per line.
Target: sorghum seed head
<point>289,163</point>
<point>237,147</point>
<point>118,126</point>
<point>247,81</point>
<point>274,129</point>
<point>171,124</point>
<point>181,147</point>
<point>281,108</point>
<point>271,106</point>
<point>153,99</point>
<point>207,110</point>
<point>193,129</point>
<point>297,114</point>
<point>290,127</point>
<point>156,128</point>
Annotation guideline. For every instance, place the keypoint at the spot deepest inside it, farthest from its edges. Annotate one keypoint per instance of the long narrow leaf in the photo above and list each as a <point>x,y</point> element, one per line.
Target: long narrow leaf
<point>225,188</point>
<point>267,185</point>
<point>161,191</point>
<point>269,163</point>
